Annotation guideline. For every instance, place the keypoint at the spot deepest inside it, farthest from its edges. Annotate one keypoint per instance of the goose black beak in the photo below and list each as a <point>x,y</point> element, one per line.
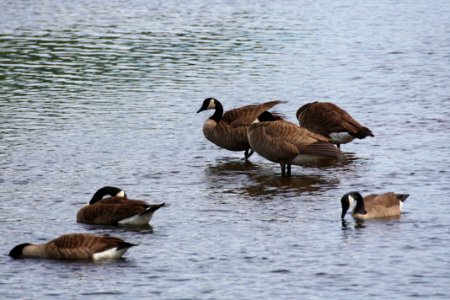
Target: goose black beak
<point>345,207</point>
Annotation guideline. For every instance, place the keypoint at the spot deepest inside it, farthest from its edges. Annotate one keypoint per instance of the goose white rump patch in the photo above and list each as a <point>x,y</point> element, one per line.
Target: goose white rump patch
<point>341,137</point>
<point>112,253</point>
<point>139,219</point>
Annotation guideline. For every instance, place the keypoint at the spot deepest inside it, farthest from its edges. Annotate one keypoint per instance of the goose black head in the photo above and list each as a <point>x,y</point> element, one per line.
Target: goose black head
<point>17,251</point>
<point>208,103</point>
<point>268,116</point>
<point>347,201</point>
<point>107,190</point>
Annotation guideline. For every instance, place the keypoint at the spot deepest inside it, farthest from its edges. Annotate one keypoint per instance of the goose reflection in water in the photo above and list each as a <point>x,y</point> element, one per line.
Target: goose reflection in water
<point>258,180</point>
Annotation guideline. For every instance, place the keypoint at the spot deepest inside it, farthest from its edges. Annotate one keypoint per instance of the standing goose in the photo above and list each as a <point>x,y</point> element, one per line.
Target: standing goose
<point>373,206</point>
<point>330,120</point>
<point>116,210</point>
<point>76,247</point>
<point>229,130</point>
<point>288,144</point>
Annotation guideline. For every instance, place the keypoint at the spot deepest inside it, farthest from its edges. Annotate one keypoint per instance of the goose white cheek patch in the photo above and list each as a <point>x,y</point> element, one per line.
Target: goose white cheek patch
<point>351,200</point>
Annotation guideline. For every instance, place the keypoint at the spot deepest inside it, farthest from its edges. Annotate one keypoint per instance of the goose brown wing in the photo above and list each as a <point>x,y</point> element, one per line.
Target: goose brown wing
<point>292,133</point>
<point>80,246</point>
<point>108,214</point>
<point>384,200</point>
<point>383,205</point>
<point>285,140</point>
<point>326,117</point>
<point>353,126</point>
<point>322,149</point>
<point>308,142</point>
<point>276,137</point>
<point>245,115</point>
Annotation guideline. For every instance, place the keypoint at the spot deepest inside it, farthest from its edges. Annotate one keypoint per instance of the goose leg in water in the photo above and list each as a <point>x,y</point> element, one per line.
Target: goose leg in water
<point>283,169</point>
<point>247,154</point>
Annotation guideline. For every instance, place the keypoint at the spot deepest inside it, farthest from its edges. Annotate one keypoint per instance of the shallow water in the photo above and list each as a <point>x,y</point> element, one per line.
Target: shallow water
<point>98,93</point>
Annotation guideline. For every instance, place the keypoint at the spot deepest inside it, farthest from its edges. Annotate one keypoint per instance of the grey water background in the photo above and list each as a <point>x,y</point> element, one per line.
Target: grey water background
<point>96,93</point>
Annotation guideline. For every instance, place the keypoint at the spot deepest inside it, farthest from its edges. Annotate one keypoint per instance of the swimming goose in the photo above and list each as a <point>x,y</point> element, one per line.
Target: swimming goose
<point>76,247</point>
<point>229,130</point>
<point>373,206</point>
<point>116,210</point>
<point>330,120</point>
<point>288,144</point>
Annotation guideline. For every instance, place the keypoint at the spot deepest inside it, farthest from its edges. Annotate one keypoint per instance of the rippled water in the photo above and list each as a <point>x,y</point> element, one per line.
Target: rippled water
<point>98,93</point>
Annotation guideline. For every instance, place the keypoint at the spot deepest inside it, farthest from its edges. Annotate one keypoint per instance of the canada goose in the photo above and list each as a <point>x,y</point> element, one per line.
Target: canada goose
<point>373,206</point>
<point>286,143</point>
<point>116,210</point>
<point>74,246</point>
<point>229,130</point>
<point>330,120</point>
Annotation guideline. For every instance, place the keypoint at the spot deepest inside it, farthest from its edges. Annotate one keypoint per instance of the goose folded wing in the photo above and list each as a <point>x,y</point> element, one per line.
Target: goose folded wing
<point>244,116</point>
<point>384,200</point>
<point>80,246</point>
<point>111,214</point>
<point>279,139</point>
